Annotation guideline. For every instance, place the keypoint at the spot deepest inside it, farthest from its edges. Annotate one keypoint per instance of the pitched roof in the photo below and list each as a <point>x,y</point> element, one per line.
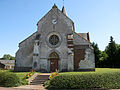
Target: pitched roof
<point>85,35</point>
<point>7,61</point>
<point>27,37</point>
<point>54,6</point>
<point>82,37</point>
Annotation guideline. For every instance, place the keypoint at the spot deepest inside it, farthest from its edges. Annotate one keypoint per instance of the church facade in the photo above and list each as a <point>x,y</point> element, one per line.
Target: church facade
<point>55,45</point>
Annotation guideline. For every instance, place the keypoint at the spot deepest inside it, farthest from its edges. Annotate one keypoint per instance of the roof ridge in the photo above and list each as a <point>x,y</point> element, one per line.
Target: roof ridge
<point>82,37</point>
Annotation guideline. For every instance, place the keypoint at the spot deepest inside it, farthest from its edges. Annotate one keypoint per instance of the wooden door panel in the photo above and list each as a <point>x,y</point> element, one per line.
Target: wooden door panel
<point>53,64</point>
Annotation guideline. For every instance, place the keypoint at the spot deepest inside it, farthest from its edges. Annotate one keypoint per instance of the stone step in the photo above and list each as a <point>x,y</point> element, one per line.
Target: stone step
<point>40,79</point>
<point>42,75</point>
<point>36,83</point>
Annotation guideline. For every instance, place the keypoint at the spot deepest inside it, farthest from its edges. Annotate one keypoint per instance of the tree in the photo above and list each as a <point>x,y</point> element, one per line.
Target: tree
<point>110,57</point>
<point>118,57</point>
<point>97,54</point>
<point>111,51</point>
<point>103,59</point>
<point>7,57</point>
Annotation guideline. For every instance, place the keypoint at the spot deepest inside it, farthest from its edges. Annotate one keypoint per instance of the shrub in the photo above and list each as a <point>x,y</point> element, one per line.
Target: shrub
<point>8,79</point>
<point>54,75</point>
<point>28,75</point>
<point>80,81</point>
<point>24,82</point>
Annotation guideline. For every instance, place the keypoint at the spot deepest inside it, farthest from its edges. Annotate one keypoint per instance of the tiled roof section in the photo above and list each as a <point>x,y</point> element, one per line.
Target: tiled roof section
<point>85,35</point>
<point>82,37</point>
<point>7,61</point>
<point>28,37</point>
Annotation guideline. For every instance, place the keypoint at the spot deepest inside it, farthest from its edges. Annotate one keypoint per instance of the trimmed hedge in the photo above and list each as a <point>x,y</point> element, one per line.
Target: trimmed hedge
<point>8,79</point>
<point>85,81</point>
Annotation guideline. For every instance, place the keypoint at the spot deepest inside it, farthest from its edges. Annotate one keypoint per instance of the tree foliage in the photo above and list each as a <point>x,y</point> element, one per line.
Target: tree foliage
<point>97,54</point>
<point>112,50</point>
<point>7,57</point>
<point>110,57</point>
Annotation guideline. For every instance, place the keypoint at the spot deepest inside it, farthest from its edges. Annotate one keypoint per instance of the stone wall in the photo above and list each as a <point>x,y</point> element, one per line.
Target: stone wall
<point>22,69</point>
<point>46,28</point>
<point>89,61</point>
<point>24,56</point>
<point>83,54</point>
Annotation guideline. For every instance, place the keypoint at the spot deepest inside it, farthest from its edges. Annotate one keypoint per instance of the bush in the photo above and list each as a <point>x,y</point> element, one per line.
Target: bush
<point>24,82</point>
<point>8,79</point>
<point>28,75</point>
<point>80,81</point>
<point>54,75</point>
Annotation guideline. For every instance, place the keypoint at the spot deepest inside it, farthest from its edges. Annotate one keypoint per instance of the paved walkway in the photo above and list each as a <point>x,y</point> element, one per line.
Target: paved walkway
<point>3,88</point>
<point>33,87</point>
<point>30,87</point>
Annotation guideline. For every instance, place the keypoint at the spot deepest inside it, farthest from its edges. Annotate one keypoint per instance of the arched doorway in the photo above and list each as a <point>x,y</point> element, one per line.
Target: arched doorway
<point>53,57</point>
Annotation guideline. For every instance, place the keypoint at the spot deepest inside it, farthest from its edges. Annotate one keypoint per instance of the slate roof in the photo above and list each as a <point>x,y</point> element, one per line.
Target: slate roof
<point>85,35</point>
<point>7,61</point>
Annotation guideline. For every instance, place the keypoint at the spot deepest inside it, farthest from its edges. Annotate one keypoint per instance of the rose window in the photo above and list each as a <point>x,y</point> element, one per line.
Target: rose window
<point>53,40</point>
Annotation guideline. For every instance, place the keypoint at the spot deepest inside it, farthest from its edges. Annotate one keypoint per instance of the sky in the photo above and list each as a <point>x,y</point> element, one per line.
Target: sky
<point>18,19</point>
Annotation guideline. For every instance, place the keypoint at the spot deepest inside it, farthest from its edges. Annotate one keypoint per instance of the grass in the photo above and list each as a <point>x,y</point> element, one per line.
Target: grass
<point>21,75</point>
<point>98,70</point>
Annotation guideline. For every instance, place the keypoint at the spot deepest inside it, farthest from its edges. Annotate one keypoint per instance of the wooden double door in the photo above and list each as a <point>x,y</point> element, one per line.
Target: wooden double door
<point>53,64</point>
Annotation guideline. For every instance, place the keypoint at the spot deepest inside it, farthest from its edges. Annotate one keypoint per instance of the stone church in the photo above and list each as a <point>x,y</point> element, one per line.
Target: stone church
<point>55,45</point>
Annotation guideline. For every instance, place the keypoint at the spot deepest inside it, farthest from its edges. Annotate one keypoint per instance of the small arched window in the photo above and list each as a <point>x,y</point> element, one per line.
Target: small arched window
<point>35,64</point>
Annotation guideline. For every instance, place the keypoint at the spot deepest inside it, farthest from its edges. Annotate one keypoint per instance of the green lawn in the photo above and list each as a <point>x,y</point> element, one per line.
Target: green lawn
<point>98,70</point>
<point>19,74</point>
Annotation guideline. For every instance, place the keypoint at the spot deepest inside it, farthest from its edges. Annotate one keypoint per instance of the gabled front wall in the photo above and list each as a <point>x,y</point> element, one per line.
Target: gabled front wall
<point>47,28</point>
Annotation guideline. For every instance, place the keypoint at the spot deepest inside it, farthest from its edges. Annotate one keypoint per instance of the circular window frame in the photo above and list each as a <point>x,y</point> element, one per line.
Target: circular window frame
<point>54,39</point>
<point>48,37</point>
